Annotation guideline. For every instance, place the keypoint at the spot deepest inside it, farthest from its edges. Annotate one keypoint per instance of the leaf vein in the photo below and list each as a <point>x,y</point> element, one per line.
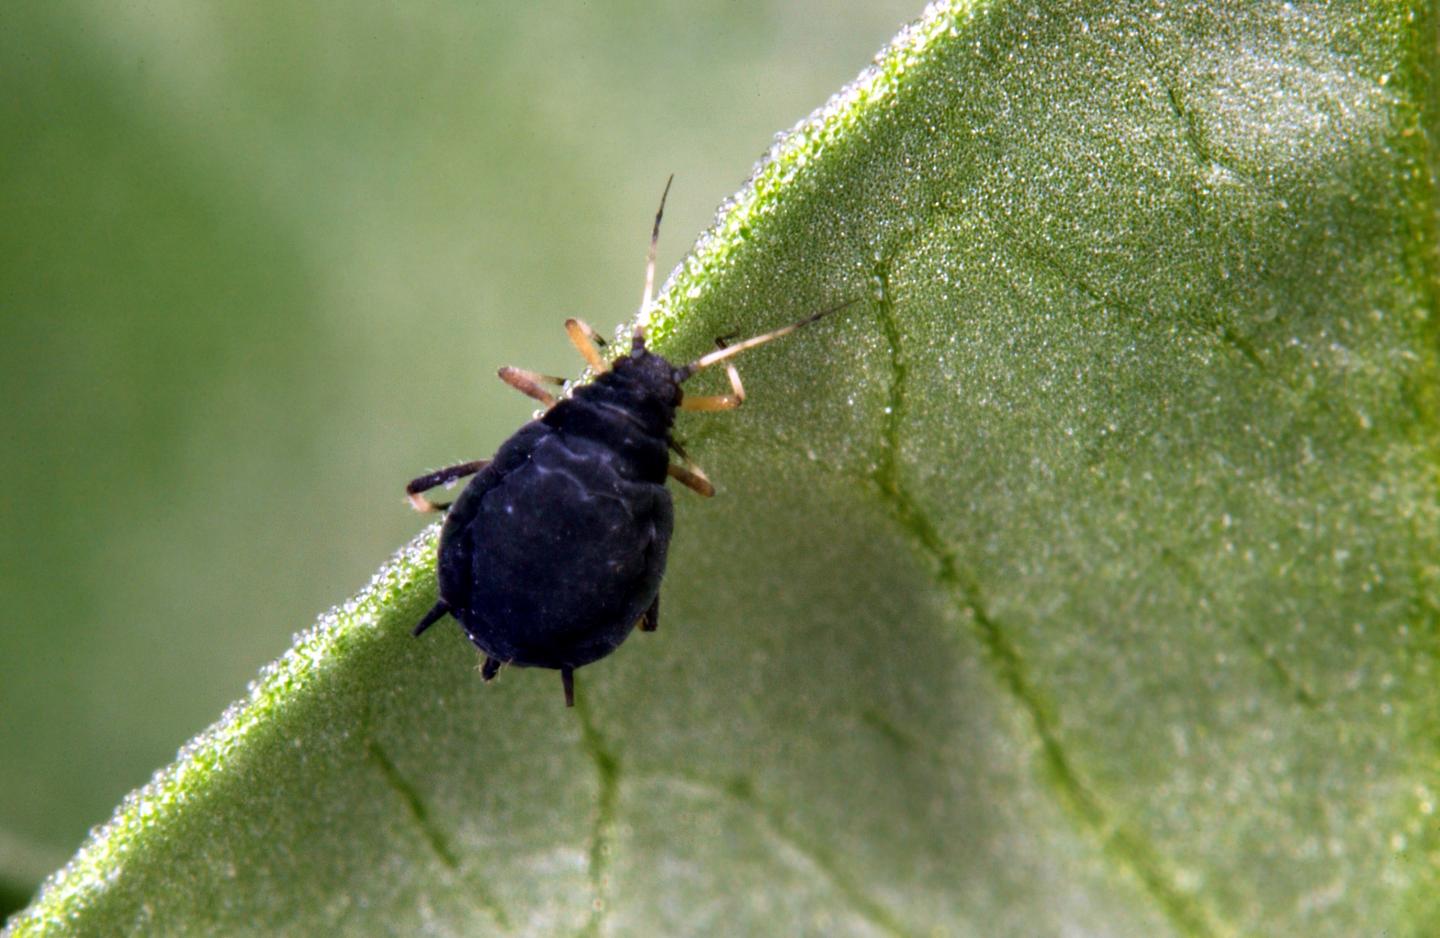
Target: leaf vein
<point>430,832</point>
<point>741,791</point>
<point>1129,849</point>
<point>607,772</point>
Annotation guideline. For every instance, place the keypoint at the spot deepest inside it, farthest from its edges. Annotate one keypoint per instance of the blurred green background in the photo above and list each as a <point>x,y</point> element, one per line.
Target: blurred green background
<point>260,263</point>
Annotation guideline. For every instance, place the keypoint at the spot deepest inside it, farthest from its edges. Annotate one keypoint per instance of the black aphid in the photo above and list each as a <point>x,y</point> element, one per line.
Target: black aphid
<point>554,551</point>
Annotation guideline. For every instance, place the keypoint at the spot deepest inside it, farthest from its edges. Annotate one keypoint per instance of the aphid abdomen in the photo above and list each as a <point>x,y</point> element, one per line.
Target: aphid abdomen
<point>561,556</point>
<point>453,566</point>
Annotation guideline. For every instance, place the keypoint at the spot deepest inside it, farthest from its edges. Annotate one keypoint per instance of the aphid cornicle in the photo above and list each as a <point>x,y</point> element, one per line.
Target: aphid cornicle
<point>555,549</point>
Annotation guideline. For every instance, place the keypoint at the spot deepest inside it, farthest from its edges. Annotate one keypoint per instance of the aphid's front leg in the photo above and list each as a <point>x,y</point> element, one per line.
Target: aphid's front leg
<point>730,401</point>
<point>567,680</point>
<point>650,621</point>
<point>439,477</point>
<point>585,341</point>
<point>528,383</point>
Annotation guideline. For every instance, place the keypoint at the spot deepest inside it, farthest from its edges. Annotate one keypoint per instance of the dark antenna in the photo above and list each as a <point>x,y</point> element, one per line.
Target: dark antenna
<point>729,351</point>
<point>654,240</point>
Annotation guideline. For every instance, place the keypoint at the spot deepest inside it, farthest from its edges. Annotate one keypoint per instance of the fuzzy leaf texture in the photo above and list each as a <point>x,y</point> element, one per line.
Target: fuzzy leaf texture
<point>1080,579</point>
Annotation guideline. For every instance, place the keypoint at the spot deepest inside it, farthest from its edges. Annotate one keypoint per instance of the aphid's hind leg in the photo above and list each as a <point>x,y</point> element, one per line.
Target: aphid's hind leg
<point>528,383</point>
<point>585,340</point>
<point>436,613</point>
<point>439,477</point>
<point>650,621</point>
<point>567,680</point>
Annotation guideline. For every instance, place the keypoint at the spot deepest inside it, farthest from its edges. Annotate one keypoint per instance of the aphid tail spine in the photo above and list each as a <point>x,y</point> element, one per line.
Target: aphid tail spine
<point>729,351</point>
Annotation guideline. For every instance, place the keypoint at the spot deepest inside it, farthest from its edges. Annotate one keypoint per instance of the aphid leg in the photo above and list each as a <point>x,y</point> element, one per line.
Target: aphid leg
<point>730,401</point>
<point>718,401</point>
<point>436,613</point>
<point>585,341</point>
<point>567,679</point>
<point>689,475</point>
<point>490,668</point>
<point>691,479</point>
<point>439,477</point>
<point>654,242</point>
<point>528,383</point>
<point>650,621</point>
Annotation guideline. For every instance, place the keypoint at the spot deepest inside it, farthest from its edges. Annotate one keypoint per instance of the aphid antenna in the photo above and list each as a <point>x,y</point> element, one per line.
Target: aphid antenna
<point>649,294</point>
<point>729,351</point>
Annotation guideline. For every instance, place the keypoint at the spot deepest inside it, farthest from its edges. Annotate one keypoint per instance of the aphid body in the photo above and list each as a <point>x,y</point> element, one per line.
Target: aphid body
<point>555,549</point>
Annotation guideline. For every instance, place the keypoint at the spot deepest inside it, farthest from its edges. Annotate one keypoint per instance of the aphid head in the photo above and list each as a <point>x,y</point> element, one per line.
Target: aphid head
<point>648,374</point>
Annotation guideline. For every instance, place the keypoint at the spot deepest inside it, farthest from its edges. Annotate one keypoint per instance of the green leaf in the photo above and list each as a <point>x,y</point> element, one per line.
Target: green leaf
<point>1082,579</point>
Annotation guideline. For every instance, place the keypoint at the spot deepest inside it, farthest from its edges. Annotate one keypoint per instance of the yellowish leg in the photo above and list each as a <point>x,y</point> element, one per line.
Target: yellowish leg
<point>730,401</point>
<point>585,339</point>
<point>528,383</point>
<point>689,475</point>
<point>692,479</point>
